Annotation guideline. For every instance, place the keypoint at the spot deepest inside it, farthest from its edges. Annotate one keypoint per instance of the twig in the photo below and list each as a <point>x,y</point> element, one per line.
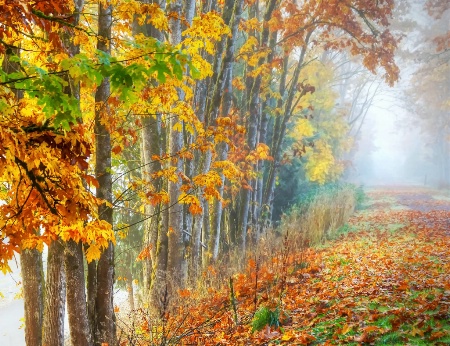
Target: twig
<point>233,302</point>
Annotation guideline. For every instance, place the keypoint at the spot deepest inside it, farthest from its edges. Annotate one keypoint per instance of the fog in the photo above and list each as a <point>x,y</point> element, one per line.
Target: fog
<point>404,137</point>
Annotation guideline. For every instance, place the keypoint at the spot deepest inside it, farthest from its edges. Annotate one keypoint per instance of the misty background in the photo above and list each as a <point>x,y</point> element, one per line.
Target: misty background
<point>403,139</point>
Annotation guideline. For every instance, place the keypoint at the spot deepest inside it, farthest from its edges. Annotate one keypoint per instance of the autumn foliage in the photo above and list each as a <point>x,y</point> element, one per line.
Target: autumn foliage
<point>162,127</point>
<point>146,77</point>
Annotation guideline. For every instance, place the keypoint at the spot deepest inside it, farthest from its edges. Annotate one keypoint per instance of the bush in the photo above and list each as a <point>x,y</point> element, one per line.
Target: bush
<point>265,317</point>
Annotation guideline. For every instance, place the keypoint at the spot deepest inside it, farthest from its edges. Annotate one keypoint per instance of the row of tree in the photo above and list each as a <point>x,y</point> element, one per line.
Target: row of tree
<point>162,127</point>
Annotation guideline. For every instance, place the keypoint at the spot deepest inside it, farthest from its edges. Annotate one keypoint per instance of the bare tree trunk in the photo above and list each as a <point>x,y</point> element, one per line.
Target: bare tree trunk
<point>176,264</point>
<point>129,277</point>
<point>75,289</point>
<point>91,294</point>
<point>215,92</point>
<point>55,296</point>
<point>33,294</point>
<point>151,138</point>
<point>254,109</point>
<point>222,150</point>
<point>77,309</point>
<point>224,89</point>
<point>206,233</point>
<point>105,318</point>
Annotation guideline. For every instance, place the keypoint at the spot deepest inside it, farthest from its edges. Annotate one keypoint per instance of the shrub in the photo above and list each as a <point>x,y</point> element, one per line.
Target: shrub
<point>360,198</point>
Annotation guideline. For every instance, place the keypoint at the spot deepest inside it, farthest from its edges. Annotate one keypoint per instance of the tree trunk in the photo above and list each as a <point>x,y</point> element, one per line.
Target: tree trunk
<point>224,89</point>
<point>206,234</point>
<point>77,309</point>
<point>78,314</point>
<point>33,295</point>
<point>105,318</point>
<point>176,264</point>
<point>253,124</point>
<point>55,296</point>
<point>152,144</point>
<point>30,259</point>
<point>280,128</point>
<point>91,295</point>
<point>129,279</point>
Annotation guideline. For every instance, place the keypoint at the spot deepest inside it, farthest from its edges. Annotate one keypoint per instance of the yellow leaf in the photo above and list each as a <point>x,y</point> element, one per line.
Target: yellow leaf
<point>288,336</point>
<point>346,329</point>
<point>178,127</point>
<point>415,331</point>
<point>92,253</point>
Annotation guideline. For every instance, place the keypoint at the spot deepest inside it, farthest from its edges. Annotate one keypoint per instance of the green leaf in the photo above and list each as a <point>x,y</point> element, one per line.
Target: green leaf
<point>4,106</point>
<point>177,69</point>
<point>62,120</point>
<point>264,316</point>
<point>161,69</point>
<point>195,73</point>
<point>14,58</point>
<point>104,58</point>
<point>120,77</point>
<point>84,70</point>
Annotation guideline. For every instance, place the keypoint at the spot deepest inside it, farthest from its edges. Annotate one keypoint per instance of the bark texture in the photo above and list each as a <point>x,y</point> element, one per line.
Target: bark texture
<point>176,262</point>
<point>30,259</point>
<point>55,296</point>
<point>79,326</point>
<point>105,318</point>
<point>33,295</point>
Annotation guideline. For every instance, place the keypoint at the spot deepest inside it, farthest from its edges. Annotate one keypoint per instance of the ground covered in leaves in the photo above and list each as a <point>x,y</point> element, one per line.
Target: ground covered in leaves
<point>383,280</point>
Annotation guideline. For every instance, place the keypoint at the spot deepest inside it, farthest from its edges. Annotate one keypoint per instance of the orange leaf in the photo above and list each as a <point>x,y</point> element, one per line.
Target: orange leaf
<point>195,209</point>
<point>437,335</point>
<point>361,338</point>
<point>369,329</point>
<point>90,180</point>
<point>184,293</point>
<point>117,149</point>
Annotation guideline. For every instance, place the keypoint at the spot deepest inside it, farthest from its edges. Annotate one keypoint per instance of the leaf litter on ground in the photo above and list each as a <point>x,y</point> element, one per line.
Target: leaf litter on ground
<point>385,282</point>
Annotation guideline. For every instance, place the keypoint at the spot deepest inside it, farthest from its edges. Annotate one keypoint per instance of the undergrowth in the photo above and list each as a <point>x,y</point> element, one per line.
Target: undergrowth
<point>277,255</point>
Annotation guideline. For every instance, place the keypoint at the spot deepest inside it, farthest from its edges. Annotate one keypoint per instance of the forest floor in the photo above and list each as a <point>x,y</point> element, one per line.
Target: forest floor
<point>383,280</point>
